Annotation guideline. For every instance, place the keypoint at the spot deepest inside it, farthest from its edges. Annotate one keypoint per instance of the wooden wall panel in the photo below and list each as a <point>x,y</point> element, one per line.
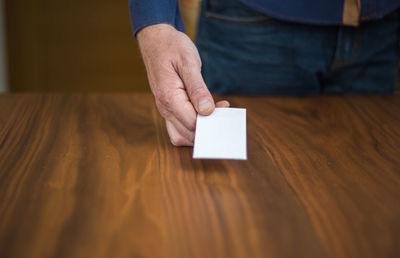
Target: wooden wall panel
<point>77,45</point>
<point>72,46</point>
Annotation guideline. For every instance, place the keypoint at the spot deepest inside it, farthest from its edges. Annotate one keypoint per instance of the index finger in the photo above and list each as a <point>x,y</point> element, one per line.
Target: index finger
<point>182,108</point>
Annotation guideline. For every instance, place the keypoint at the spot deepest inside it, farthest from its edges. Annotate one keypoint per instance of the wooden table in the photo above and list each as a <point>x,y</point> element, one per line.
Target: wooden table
<point>96,176</point>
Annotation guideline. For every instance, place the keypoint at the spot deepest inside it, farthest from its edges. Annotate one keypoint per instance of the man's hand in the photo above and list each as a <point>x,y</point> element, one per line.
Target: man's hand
<point>174,71</point>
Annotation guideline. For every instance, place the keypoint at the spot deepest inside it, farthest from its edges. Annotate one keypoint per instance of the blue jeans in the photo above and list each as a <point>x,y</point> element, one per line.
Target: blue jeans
<point>245,52</point>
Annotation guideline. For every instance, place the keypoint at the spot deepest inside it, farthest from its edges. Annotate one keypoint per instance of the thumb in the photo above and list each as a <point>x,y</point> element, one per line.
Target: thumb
<point>197,90</point>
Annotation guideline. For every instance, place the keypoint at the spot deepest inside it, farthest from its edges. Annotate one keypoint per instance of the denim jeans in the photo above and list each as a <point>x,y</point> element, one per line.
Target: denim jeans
<point>245,52</point>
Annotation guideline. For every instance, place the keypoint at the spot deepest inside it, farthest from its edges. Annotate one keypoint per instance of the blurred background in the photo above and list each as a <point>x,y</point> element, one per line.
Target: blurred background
<point>73,46</point>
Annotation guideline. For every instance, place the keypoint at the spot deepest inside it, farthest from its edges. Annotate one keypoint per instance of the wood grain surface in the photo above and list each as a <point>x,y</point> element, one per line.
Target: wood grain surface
<point>96,176</point>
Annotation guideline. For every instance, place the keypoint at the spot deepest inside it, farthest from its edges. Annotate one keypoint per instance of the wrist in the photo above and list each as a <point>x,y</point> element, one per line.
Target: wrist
<point>154,30</point>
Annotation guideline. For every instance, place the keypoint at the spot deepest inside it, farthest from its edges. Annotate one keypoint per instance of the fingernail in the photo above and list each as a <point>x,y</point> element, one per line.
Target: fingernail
<point>204,105</point>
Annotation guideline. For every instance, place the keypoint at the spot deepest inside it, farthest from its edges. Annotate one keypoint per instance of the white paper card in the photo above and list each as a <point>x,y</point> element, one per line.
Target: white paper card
<point>221,135</point>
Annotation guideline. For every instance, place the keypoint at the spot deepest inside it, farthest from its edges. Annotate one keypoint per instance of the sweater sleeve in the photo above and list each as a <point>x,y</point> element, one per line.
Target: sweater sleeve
<point>148,12</point>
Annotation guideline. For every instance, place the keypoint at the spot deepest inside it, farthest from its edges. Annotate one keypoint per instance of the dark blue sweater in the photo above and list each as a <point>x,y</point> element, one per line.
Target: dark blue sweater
<point>323,12</point>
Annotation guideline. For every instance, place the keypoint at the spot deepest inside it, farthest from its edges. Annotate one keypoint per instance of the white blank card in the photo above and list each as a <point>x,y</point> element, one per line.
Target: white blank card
<point>221,135</point>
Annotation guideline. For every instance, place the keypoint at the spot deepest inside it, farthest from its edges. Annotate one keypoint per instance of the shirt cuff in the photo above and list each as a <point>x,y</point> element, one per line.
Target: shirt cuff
<point>149,12</point>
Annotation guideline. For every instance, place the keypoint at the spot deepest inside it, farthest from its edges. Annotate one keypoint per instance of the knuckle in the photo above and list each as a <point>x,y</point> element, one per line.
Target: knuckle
<point>164,109</point>
<point>178,141</point>
<point>189,63</point>
<point>198,91</point>
<point>165,98</point>
<point>169,98</point>
<point>185,70</point>
<point>159,96</point>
